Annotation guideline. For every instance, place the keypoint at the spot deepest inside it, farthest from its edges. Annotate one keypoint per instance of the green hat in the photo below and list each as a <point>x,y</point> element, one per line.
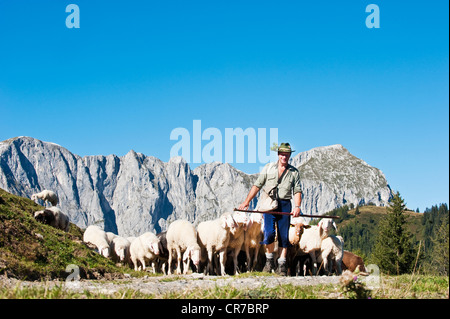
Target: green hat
<point>285,148</point>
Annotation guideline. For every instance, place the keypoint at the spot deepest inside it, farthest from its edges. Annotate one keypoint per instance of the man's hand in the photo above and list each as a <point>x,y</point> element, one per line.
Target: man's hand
<point>298,201</point>
<point>296,212</point>
<point>253,191</point>
<point>244,206</point>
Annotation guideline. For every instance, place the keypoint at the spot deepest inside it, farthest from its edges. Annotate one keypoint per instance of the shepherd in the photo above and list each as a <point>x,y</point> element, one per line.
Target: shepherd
<point>281,181</point>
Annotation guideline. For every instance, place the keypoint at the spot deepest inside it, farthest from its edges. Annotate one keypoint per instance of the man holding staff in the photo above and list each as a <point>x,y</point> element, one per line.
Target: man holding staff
<point>288,179</point>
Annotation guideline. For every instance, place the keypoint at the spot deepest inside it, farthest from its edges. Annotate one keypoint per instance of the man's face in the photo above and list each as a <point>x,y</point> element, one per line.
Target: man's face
<point>283,157</point>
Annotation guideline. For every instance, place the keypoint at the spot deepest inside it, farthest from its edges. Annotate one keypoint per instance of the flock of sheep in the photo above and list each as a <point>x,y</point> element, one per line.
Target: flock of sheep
<point>214,246</point>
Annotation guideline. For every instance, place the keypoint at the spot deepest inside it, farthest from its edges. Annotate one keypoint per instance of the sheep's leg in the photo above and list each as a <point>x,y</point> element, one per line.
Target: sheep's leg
<point>255,256</point>
<point>216,264</point>
<point>338,267</point>
<point>312,254</point>
<point>235,260</point>
<point>178,260</point>
<point>169,262</point>
<point>210,261</point>
<point>326,265</point>
<point>223,259</point>
<point>186,265</point>
<point>247,253</point>
<point>135,263</point>
<point>142,260</point>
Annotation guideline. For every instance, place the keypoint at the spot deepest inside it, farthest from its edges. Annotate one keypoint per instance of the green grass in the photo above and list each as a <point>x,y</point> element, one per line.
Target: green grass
<point>391,287</point>
<point>223,292</point>
<point>412,287</point>
<point>287,291</point>
<point>34,251</point>
<point>30,250</point>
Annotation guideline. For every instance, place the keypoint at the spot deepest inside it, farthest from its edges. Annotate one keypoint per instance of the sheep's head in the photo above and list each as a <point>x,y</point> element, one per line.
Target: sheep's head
<point>227,222</point>
<point>242,219</point>
<point>325,225</point>
<point>104,251</point>
<point>194,254</point>
<point>296,234</point>
<point>44,216</point>
<point>154,247</point>
<point>121,252</point>
<point>39,216</point>
<point>300,228</point>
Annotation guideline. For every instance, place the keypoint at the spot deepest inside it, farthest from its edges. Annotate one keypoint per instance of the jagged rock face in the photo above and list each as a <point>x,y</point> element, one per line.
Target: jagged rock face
<point>136,193</point>
<point>332,177</point>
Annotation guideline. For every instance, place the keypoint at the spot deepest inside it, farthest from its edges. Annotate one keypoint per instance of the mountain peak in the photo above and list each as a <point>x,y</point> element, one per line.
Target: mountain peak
<point>136,193</point>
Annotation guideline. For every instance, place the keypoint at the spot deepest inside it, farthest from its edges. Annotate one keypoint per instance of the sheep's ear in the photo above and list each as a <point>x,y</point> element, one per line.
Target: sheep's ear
<point>307,226</point>
<point>231,222</point>
<point>334,225</point>
<point>223,221</point>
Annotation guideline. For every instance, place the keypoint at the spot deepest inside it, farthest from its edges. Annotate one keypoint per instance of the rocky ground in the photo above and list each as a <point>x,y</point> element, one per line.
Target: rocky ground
<point>161,285</point>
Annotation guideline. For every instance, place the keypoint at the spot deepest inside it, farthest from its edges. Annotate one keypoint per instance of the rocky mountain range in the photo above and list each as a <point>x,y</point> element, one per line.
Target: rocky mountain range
<point>135,193</point>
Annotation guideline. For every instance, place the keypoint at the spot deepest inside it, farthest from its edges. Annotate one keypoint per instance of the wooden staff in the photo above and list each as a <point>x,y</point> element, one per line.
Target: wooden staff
<point>284,213</point>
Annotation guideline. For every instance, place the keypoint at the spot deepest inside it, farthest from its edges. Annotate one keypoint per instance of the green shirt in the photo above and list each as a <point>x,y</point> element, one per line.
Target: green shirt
<point>289,185</point>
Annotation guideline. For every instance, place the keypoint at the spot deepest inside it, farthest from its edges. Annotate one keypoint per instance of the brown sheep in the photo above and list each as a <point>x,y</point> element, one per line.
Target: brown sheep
<point>351,261</point>
<point>295,234</point>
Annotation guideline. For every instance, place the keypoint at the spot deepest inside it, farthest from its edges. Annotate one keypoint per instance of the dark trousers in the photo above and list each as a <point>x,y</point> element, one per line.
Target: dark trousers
<point>282,222</point>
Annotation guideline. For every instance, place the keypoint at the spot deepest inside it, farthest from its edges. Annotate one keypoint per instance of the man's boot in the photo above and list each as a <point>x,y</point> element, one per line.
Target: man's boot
<point>270,264</point>
<point>282,269</point>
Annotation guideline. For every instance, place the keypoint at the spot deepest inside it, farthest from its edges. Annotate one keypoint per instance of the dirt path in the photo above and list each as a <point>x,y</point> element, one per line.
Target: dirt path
<point>160,285</point>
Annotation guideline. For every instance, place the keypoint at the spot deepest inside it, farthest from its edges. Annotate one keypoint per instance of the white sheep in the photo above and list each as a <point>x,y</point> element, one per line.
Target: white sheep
<point>296,231</point>
<point>120,248</point>
<point>326,226</point>
<point>311,239</point>
<point>110,236</point>
<point>252,239</point>
<point>332,251</point>
<point>213,236</point>
<point>53,216</point>
<point>181,239</point>
<point>96,236</point>
<point>47,196</point>
<point>144,248</point>
<point>131,238</point>
<point>237,238</point>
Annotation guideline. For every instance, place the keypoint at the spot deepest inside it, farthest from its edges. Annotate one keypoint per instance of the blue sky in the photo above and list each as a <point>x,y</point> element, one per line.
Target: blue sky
<point>136,70</point>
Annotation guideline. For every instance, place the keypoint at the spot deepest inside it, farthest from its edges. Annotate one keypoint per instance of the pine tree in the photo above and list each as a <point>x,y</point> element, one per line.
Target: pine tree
<point>440,252</point>
<point>393,251</point>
